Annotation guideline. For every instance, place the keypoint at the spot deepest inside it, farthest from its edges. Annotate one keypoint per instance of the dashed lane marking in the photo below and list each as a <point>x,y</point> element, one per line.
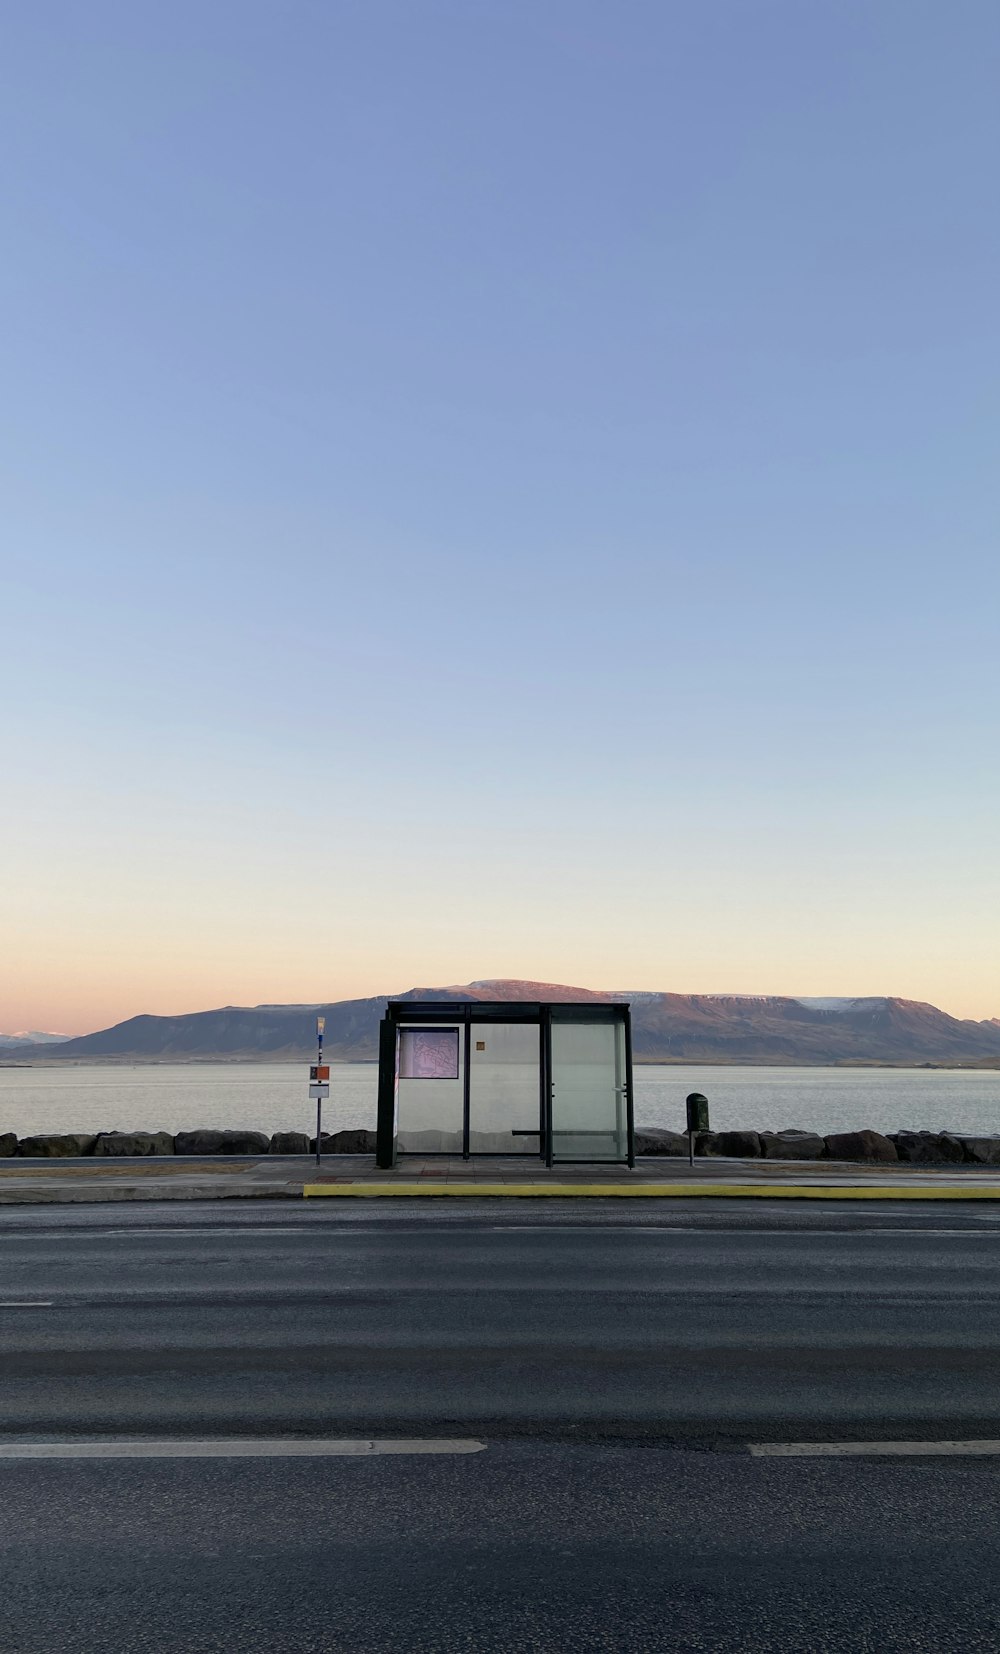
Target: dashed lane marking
<point>672,1191</point>
<point>246,1448</point>
<point>871,1450</point>
<point>699,1231</point>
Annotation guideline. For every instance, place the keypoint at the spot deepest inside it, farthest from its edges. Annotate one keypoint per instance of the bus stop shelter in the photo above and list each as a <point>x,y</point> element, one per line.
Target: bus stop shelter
<point>505,1077</point>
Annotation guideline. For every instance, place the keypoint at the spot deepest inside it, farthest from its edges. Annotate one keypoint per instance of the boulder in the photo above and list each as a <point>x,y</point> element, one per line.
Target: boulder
<point>738,1145</point>
<point>201,1141</point>
<point>356,1141</point>
<point>127,1143</point>
<point>928,1148</point>
<point>860,1145</point>
<point>245,1142</point>
<point>8,1143</point>
<point>952,1147</point>
<point>207,1141</point>
<point>916,1146</point>
<point>708,1143</point>
<point>792,1145</point>
<point>66,1146</point>
<point>982,1151</point>
<point>289,1142</point>
<point>653,1140</point>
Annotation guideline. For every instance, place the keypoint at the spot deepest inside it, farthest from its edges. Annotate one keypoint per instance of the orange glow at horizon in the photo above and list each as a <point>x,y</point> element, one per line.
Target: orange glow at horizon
<point>74,1000</point>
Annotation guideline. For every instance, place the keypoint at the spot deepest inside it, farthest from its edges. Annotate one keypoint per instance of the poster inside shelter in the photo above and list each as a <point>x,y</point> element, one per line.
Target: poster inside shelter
<point>428,1054</point>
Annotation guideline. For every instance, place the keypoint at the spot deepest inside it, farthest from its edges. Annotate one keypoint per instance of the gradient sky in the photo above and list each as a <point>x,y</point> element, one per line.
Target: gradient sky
<point>498,487</point>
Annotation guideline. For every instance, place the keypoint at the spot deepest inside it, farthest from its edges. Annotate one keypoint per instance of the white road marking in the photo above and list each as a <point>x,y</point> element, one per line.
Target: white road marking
<point>256,1230</point>
<point>696,1228</point>
<point>858,1450</point>
<point>248,1448</point>
<point>596,1228</point>
<point>907,1217</point>
<point>140,1234</point>
<point>27,1303</point>
<point>894,1232</point>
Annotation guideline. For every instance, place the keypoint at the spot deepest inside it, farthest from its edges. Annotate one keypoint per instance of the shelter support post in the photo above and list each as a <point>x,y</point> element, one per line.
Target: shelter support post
<point>385,1130</point>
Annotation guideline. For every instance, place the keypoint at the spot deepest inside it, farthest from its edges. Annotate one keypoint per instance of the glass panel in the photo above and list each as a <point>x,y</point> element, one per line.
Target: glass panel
<point>504,1091</point>
<point>430,1088</point>
<point>588,1091</point>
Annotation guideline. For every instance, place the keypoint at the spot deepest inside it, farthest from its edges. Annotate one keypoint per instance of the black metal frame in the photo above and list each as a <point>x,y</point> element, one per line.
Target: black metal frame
<point>462,1014</point>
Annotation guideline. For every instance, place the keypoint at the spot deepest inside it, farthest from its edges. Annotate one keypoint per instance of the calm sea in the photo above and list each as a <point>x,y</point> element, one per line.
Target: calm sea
<point>273,1097</point>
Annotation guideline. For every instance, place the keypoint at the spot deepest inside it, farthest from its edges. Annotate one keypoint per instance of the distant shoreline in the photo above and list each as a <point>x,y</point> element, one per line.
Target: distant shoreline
<point>983,1065</point>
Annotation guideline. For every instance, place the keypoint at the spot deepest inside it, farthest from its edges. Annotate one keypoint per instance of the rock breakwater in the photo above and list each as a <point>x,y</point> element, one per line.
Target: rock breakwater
<point>916,1147</point>
<point>927,1148</point>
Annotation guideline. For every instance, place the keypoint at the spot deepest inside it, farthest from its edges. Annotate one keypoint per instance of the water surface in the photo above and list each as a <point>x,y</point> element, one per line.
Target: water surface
<point>274,1097</point>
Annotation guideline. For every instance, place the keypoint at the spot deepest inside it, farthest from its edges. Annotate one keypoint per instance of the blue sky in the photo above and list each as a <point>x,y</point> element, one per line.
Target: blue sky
<point>498,489</point>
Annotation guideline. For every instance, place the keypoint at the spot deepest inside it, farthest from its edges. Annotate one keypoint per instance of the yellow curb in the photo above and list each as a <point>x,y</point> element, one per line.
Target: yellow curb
<point>676,1191</point>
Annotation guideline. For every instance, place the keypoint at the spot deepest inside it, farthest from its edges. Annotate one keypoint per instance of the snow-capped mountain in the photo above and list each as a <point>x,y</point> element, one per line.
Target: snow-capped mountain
<point>31,1036</point>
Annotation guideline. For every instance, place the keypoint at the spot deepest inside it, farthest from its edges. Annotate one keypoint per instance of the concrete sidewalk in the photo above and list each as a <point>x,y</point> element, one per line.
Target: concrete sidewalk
<point>39,1182</point>
<point>45,1182</point>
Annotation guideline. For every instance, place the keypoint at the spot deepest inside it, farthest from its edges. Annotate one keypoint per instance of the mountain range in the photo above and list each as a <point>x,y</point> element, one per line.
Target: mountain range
<point>667,1027</point>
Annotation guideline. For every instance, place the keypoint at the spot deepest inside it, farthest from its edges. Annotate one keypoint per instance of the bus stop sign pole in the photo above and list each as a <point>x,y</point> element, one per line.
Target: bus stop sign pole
<point>319,1085</point>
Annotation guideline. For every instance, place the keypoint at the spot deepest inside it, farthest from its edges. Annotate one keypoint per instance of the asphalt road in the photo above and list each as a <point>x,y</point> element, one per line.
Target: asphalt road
<point>617,1363</point>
